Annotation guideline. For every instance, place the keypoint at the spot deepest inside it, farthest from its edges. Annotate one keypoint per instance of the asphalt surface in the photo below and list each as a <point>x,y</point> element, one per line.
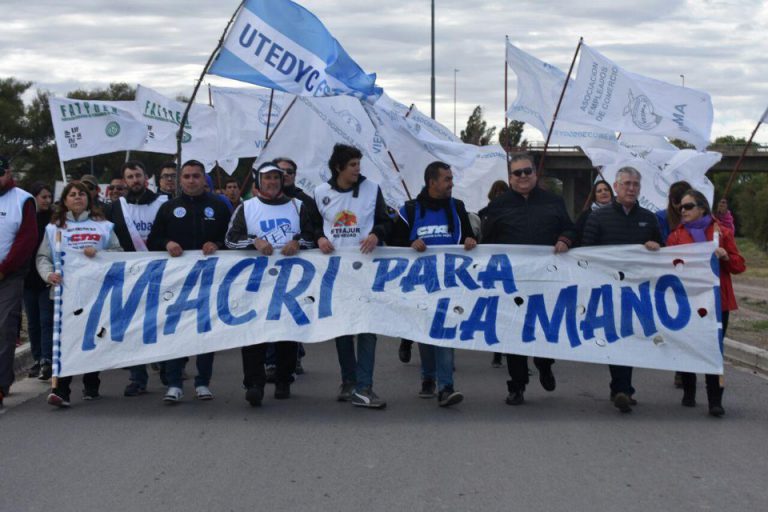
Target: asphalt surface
<point>569,450</point>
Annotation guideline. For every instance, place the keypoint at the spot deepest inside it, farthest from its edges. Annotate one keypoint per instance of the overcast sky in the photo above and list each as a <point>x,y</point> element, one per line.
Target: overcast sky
<point>720,46</point>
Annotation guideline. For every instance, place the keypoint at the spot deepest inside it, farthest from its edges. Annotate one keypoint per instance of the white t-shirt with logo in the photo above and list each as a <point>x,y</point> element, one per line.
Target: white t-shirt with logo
<point>347,219</point>
<point>274,223</point>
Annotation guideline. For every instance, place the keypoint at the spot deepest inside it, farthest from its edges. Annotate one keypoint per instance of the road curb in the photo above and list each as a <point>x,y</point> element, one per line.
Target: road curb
<point>22,360</point>
<point>752,357</point>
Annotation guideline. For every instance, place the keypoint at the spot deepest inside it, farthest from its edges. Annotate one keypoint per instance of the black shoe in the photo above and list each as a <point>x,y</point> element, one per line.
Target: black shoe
<point>622,402</point>
<point>496,361</point>
<point>254,396</point>
<point>91,394</point>
<point>271,372</point>
<point>404,353</point>
<point>689,398</point>
<point>715,399</point>
<point>632,401</point>
<point>134,389</point>
<point>427,389</point>
<point>345,391</point>
<point>449,397</point>
<point>46,371</point>
<point>34,370</point>
<point>299,368</point>
<point>547,379</point>
<point>515,398</point>
<point>282,390</point>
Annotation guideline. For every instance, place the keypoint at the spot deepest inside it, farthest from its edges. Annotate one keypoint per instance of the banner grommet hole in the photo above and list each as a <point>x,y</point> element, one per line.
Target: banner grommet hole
<point>167,295</point>
<point>702,312</point>
<point>619,276</point>
<point>78,312</point>
<point>519,301</point>
<point>357,265</point>
<point>273,271</point>
<point>458,310</point>
<point>583,263</point>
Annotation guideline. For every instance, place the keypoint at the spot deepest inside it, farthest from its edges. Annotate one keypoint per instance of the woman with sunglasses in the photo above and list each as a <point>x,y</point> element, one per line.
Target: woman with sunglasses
<point>698,225</point>
<point>76,216</point>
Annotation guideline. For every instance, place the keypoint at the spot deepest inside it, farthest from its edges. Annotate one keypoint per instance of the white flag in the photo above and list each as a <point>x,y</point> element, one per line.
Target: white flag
<point>764,119</point>
<point>242,116</point>
<point>162,117</point>
<point>91,127</point>
<point>608,97</point>
<point>309,131</point>
<point>539,86</point>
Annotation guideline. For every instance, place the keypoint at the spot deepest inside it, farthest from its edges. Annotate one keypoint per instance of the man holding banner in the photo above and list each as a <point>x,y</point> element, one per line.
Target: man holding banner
<point>623,222</point>
<point>268,221</point>
<point>352,213</point>
<point>527,215</point>
<point>196,220</point>
<point>133,216</point>
<point>435,218</point>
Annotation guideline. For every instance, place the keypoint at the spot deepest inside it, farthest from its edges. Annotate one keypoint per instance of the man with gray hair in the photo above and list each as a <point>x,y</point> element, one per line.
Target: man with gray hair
<point>623,222</point>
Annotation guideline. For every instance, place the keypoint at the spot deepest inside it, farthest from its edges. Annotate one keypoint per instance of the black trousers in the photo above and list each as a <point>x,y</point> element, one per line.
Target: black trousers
<point>91,382</point>
<point>254,357</point>
<point>517,366</point>
<point>712,381</point>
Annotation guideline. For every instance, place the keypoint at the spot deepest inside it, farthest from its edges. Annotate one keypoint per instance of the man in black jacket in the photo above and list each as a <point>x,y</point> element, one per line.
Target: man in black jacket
<point>623,222</point>
<point>527,215</point>
<point>196,220</point>
<point>133,216</point>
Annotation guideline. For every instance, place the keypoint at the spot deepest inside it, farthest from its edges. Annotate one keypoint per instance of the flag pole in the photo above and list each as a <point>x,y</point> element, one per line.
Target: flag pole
<point>184,116</point>
<point>269,112</point>
<point>269,138</point>
<point>506,87</point>
<point>743,154</point>
<point>389,153</point>
<point>559,102</point>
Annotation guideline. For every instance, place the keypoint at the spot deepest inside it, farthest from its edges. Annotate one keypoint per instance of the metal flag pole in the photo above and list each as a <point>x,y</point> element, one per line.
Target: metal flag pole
<point>559,102</point>
<point>185,115</point>
<point>506,87</point>
<point>432,81</point>
<point>743,154</point>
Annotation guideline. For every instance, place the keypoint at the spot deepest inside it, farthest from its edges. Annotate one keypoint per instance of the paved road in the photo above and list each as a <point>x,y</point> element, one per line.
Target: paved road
<point>569,450</point>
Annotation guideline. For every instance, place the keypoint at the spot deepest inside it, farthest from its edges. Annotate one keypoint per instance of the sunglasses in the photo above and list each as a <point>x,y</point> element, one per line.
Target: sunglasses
<point>290,171</point>
<point>688,206</point>
<point>519,172</point>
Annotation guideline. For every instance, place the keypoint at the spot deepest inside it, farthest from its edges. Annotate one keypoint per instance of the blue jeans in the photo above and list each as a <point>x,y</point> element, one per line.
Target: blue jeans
<point>139,375</point>
<point>357,369</point>
<point>437,362</point>
<point>174,370</point>
<point>39,308</point>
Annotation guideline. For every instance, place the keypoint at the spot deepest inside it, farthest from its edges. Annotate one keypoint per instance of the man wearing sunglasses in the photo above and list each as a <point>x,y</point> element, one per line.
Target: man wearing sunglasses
<point>18,241</point>
<point>527,215</point>
<point>92,184</point>
<point>116,190</point>
<point>624,222</point>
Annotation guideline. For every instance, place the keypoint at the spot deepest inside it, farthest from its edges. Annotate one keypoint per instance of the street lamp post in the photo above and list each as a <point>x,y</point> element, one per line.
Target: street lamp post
<point>433,59</point>
<point>454,99</point>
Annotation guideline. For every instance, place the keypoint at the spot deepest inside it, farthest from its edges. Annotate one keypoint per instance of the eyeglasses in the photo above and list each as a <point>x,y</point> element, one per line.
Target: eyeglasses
<point>116,187</point>
<point>290,171</point>
<point>688,206</point>
<point>168,176</point>
<point>519,172</point>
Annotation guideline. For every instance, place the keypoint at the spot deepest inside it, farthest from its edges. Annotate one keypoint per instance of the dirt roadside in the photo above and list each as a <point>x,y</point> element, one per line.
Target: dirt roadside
<point>749,323</point>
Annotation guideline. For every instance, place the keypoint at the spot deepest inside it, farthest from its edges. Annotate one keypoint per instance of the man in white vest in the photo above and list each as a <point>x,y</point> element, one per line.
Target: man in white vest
<point>18,242</point>
<point>352,213</point>
<point>133,216</point>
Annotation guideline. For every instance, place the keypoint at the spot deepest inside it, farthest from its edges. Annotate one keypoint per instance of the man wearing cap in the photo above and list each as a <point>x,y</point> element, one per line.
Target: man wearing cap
<point>527,215</point>
<point>268,222</point>
<point>133,216</point>
<point>351,213</point>
<point>194,221</point>
<point>18,241</point>
<point>92,184</point>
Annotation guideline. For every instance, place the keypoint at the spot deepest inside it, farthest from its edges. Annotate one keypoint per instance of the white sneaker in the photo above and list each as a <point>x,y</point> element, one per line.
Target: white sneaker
<point>203,393</point>
<point>173,394</point>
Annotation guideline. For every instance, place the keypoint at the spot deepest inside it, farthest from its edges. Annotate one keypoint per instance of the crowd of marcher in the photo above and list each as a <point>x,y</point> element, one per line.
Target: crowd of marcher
<point>346,211</point>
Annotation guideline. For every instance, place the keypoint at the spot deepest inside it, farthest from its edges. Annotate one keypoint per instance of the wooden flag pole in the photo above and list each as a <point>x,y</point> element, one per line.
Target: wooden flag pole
<point>741,158</point>
<point>559,102</point>
<point>249,176</point>
<point>185,115</point>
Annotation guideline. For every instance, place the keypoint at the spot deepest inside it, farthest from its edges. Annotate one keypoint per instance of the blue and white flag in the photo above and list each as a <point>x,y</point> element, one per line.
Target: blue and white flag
<point>280,45</point>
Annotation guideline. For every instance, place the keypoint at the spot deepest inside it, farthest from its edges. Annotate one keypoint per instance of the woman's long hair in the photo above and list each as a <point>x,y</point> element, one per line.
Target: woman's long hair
<point>498,188</point>
<point>700,200</point>
<point>593,193</point>
<point>60,214</point>
<point>676,192</point>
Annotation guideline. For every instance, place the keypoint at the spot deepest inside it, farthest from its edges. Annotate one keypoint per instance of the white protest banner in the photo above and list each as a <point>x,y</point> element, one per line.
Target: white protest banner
<point>242,117</point>
<point>613,304</point>
<point>309,131</point>
<point>539,86</point>
<point>608,97</point>
<point>162,116</point>
<point>92,127</point>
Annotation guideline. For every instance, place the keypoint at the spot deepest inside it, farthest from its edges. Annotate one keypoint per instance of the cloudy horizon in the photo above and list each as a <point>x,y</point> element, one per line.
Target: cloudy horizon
<point>718,46</point>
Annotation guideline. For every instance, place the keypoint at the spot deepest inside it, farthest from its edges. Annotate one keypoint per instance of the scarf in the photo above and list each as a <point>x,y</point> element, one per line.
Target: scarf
<point>697,228</point>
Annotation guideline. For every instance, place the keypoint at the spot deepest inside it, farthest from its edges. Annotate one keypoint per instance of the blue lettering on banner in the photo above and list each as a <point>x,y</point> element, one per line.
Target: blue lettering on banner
<point>499,268</point>
<point>120,315</point>
<point>482,318</point>
<point>384,273</point>
<point>452,272</point>
<point>605,321</point>
<point>326,286</point>
<point>438,330</point>
<point>202,271</point>
<point>254,282</point>
<point>282,296</point>
<point>565,307</point>
<point>423,272</point>
<point>670,282</point>
<point>640,305</point>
